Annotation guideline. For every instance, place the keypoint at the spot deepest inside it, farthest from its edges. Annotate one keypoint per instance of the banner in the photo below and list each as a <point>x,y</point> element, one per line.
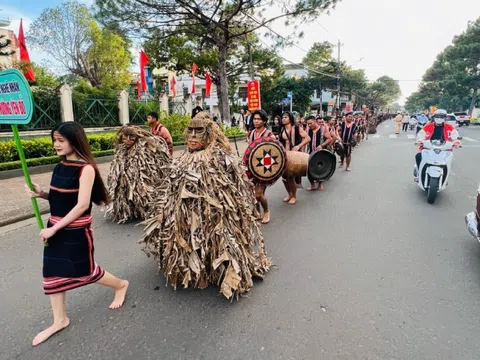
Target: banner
<point>253,92</point>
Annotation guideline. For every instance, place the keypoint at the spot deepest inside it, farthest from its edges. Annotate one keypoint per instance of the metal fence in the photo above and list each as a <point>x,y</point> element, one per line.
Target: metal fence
<point>92,112</point>
<point>139,109</point>
<point>46,115</point>
<point>177,106</point>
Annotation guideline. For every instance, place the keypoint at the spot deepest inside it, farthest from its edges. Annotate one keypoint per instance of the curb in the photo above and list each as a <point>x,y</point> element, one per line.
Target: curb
<point>18,215</point>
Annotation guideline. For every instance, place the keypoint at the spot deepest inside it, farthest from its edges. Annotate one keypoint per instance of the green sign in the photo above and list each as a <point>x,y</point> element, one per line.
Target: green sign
<point>16,103</point>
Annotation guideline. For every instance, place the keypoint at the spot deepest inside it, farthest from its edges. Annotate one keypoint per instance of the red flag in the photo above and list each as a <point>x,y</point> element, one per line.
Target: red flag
<point>194,68</point>
<point>143,62</point>
<point>139,89</point>
<point>208,84</point>
<point>24,57</point>
<point>173,87</point>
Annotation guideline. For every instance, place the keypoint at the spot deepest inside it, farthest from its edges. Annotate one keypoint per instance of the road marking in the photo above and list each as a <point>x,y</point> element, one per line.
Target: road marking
<point>470,139</point>
<point>376,136</point>
<point>411,136</point>
<point>393,136</point>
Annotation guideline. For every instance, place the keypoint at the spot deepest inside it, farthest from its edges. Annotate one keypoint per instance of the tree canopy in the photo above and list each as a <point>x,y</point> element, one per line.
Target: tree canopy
<point>219,25</point>
<point>453,80</point>
<point>70,35</point>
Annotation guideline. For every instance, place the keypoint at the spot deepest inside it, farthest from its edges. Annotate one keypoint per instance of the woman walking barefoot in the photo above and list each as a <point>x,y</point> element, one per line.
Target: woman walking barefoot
<point>68,255</point>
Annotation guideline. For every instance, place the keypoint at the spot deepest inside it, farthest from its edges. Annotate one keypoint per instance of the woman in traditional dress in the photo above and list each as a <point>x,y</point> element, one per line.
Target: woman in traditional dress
<point>68,261</point>
<point>260,130</point>
<point>293,138</point>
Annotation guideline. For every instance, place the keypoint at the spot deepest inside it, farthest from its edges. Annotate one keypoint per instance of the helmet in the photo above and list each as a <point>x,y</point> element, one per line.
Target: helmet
<point>439,116</point>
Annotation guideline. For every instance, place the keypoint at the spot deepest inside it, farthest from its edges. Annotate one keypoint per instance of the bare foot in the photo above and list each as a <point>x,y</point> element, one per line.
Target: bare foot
<point>287,199</point>
<point>119,296</point>
<point>299,186</point>
<point>292,201</point>
<point>48,332</point>
<point>320,187</point>
<point>341,165</point>
<point>310,188</point>
<point>347,169</point>
<point>266,217</point>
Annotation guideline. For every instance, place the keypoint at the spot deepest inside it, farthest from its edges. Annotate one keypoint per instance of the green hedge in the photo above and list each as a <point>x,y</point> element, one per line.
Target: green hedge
<point>42,147</point>
<point>45,160</point>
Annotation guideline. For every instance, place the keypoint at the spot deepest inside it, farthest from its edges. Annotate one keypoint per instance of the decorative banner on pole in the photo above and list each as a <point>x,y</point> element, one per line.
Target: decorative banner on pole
<point>253,92</point>
<point>16,107</point>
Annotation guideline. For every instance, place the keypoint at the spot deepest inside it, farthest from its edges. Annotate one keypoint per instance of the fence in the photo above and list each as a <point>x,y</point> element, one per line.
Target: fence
<point>54,106</point>
<point>46,113</point>
<point>138,110</point>
<point>92,112</point>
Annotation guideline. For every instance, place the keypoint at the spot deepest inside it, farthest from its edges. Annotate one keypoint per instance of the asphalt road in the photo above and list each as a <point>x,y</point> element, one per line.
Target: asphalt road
<point>365,270</point>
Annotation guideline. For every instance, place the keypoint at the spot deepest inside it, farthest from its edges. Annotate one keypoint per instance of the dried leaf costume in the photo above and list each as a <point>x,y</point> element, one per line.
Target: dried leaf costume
<point>204,231</point>
<point>141,161</point>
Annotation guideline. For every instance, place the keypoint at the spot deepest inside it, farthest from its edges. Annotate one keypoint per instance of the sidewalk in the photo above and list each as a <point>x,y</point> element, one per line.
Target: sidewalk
<point>15,205</point>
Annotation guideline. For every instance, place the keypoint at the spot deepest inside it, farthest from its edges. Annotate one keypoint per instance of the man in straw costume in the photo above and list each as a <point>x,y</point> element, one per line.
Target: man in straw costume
<point>204,231</point>
<point>140,162</point>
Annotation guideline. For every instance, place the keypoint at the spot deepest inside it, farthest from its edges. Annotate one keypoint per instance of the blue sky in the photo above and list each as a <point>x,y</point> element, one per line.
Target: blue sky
<point>399,38</point>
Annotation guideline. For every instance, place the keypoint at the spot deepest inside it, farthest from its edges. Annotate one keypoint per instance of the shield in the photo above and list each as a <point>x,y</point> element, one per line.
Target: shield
<point>321,165</point>
<point>265,160</point>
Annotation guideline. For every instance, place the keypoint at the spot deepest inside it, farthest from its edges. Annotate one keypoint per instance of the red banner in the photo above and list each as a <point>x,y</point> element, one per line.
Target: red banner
<point>253,92</point>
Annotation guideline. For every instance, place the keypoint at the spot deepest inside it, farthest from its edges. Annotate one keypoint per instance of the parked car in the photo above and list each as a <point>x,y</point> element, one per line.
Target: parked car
<point>452,120</point>
<point>462,118</point>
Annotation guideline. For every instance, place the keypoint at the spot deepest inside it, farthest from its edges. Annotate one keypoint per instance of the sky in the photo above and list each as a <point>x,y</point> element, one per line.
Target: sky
<point>398,38</point>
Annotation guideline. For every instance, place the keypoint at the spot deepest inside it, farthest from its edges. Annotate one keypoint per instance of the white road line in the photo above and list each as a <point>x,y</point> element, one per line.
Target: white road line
<point>411,136</point>
<point>376,136</point>
<point>470,139</point>
<point>393,136</point>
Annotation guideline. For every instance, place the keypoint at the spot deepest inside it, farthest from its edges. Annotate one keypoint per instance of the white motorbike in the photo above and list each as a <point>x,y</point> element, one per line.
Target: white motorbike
<point>435,167</point>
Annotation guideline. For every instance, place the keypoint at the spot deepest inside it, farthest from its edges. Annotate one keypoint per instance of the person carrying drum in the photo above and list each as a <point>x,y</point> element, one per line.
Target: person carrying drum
<point>320,138</point>
<point>293,138</point>
<point>260,119</point>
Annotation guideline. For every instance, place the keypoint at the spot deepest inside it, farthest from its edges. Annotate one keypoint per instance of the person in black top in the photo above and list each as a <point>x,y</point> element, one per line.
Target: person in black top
<point>348,129</point>
<point>293,138</point>
<point>68,260</point>
<point>319,139</point>
<point>276,126</point>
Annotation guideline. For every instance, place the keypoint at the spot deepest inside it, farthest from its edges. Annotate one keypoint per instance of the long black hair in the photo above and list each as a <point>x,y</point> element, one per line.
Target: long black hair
<point>77,139</point>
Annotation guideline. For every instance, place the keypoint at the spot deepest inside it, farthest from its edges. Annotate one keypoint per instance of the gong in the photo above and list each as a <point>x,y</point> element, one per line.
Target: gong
<point>265,160</point>
<point>321,165</point>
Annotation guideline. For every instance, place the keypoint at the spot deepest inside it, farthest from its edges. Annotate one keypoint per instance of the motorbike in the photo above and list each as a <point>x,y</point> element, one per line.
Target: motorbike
<point>412,124</point>
<point>435,167</point>
<point>472,219</point>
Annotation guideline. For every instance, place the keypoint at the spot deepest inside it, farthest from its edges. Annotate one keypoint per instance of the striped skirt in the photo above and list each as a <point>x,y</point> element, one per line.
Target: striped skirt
<point>68,261</point>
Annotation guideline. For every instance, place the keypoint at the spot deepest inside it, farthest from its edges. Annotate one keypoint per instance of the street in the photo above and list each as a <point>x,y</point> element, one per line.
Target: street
<point>366,269</point>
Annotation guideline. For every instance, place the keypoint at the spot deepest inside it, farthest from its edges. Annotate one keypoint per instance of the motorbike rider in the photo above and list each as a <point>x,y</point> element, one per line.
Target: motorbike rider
<point>422,120</point>
<point>438,129</point>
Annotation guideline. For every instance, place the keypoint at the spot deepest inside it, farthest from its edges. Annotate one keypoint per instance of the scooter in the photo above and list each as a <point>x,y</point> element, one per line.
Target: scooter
<point>435,167</point>
<point>412,124</point>
<point>472,219</point>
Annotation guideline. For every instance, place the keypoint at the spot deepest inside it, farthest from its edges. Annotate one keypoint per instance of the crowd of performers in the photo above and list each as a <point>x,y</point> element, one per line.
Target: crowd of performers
<point>200,210</point>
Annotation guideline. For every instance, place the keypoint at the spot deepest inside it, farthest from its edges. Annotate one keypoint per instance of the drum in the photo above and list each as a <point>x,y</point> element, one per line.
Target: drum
<point>265,160</point>
<point>318,166</point>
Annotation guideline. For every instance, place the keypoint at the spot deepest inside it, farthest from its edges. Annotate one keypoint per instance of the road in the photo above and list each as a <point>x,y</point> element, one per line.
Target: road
<point>365,270</point>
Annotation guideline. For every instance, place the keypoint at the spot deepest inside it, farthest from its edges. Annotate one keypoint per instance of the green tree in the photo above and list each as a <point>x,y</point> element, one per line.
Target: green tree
<point>301,89</point>
<point>218,24</point>
<point>69,34</point>
<point>381,93</point>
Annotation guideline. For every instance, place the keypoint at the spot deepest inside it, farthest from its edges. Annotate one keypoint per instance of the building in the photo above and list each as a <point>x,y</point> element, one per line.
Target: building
<point>8,36</point>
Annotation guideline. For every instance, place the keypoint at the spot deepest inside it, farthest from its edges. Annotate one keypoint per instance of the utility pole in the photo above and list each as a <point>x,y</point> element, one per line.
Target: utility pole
<point>250,67</point>
<point>339,75</point>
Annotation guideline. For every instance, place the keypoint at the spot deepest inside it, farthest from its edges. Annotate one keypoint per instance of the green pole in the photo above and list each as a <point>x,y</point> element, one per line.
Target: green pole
<point>16,136</point>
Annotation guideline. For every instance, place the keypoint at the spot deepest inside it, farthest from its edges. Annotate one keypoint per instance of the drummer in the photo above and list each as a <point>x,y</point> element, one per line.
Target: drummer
<point>320,138</point>
<point>260,119</point>
<point>293,138</point>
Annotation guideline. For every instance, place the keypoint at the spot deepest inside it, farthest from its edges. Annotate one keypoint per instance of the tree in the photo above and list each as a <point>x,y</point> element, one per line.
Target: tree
<point>218,24</point>
<point>180,52</point>
<point>69,34</point>
<point>381,93</point>
<point>301,89</point>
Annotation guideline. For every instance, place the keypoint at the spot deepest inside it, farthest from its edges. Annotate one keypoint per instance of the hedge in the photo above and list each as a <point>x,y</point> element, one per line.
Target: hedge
<point>45,160</point>
<point>42,147</point>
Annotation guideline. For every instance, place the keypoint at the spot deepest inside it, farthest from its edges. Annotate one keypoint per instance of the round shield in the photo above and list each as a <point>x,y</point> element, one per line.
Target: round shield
<point>265,159</point>
<point>321,165</point>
